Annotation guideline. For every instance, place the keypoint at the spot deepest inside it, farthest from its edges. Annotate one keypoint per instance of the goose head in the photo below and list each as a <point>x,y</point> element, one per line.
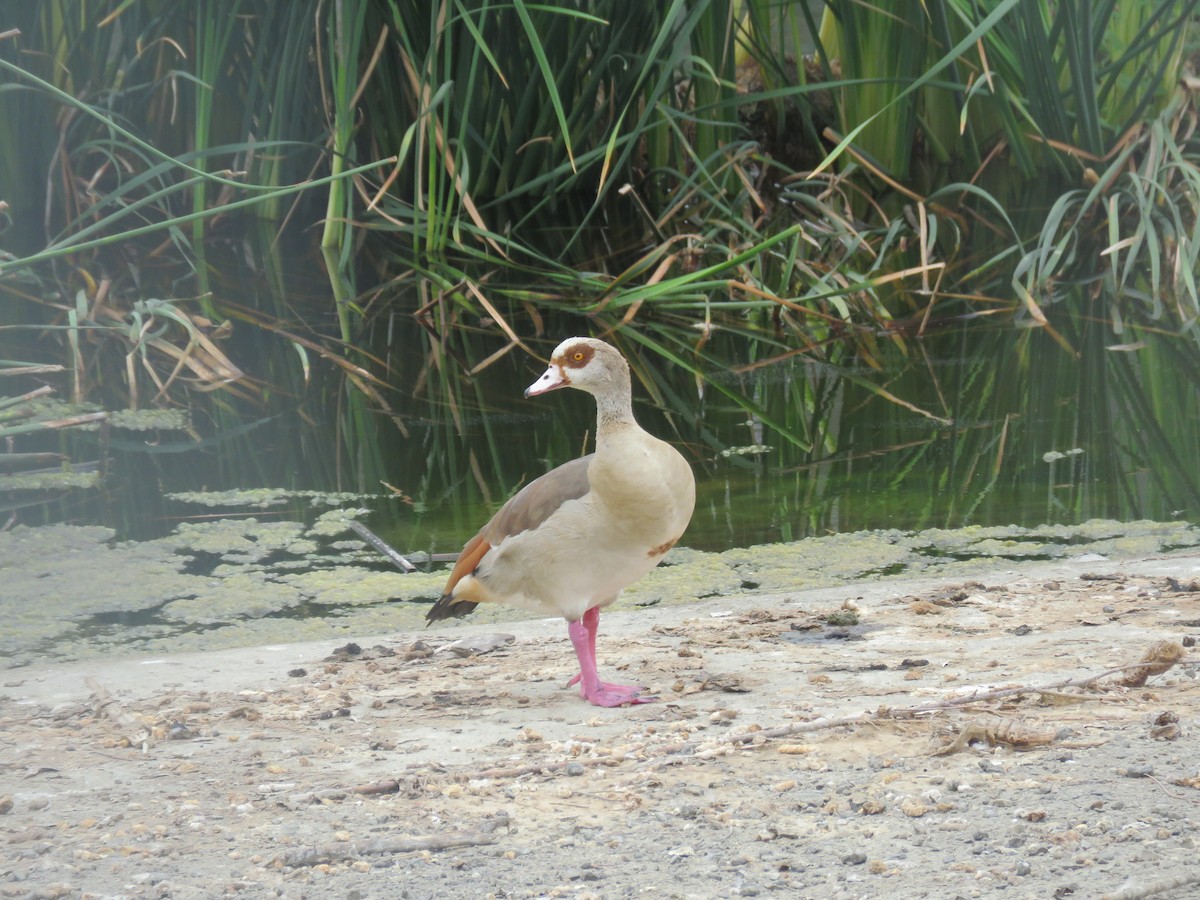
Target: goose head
<point>587,365</point>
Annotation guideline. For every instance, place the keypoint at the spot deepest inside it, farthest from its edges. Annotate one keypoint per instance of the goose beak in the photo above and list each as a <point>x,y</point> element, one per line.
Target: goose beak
<point>552,379</point>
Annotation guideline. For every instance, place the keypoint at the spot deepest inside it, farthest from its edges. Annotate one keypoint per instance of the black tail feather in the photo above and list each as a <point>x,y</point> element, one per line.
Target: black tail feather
<point>448,608</point>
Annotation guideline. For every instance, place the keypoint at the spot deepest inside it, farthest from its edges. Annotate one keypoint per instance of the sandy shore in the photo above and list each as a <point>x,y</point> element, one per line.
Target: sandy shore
<point>808,744</point>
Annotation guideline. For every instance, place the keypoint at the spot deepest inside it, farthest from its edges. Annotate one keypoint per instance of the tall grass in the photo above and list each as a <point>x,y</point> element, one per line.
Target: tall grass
<point>715,185</point>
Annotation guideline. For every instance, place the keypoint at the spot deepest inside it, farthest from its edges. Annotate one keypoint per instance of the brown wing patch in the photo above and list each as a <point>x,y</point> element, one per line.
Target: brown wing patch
<point>539,500</point>
<point>662,548</point>
<point>576,356</point>
<point>528,508</point>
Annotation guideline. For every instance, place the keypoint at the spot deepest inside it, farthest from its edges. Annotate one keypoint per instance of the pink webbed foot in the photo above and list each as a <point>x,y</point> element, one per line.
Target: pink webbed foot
<point>606,694</point>
<point>591,688</point>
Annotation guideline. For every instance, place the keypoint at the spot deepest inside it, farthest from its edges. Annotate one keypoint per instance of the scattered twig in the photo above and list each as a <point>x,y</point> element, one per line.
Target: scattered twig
<point>896,713</point>
<point>341,850</point>
<point>107,705</point>
<point>390,786</point>
<point>674,753</point>
<point>28,370</point>
<point>1137,891</point>
<point>998,730</point>
<point>68,422</point>
<point>1174,795</point>
<point>6,402</point>
<point>546,768</point>
<point>1158,659</point>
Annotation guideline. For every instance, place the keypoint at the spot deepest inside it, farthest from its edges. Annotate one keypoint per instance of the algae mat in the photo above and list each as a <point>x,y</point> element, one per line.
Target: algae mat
<point>71,592</point>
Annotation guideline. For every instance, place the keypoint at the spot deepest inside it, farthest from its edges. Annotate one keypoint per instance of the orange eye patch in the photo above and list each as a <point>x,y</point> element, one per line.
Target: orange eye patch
<point>577,357</point>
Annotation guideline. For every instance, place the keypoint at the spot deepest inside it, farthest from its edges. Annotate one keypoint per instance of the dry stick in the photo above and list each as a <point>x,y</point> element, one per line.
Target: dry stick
<point>6,402</point>
<point>382,546</point>
<point>671,754</point>
<point>546,768</point>
<point>1170,793</point>
<point>892,714</point>
<point>107,704</point>
<point>30,370</point>
<point>391,786</point>
<point>911,712</point>
<point>339,850</point>
<point>57,423</point>
<point>1136,892</point>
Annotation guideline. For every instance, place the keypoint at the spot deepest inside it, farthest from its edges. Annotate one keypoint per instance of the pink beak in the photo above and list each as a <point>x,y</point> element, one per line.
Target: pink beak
<point>552,379</point>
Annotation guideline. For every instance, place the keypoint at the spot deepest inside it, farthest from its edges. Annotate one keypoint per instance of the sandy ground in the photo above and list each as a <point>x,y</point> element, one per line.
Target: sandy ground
<point>931,738</point>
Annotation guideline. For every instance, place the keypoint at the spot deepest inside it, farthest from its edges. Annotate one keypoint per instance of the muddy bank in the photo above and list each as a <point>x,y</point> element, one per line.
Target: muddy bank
<point>940,737</point>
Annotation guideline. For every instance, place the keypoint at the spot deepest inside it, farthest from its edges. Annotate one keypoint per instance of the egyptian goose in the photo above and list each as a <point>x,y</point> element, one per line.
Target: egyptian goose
<point>570,540</point>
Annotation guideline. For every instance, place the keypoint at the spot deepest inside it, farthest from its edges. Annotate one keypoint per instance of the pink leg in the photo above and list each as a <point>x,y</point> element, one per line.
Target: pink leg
<point>591,688</point>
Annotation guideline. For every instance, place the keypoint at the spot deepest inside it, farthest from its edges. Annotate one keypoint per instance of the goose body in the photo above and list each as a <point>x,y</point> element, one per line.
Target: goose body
<point>569,541</point>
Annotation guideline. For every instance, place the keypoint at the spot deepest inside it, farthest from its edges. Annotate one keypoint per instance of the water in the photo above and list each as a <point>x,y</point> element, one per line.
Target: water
<point>997,430</point>
<point>1046,455</point>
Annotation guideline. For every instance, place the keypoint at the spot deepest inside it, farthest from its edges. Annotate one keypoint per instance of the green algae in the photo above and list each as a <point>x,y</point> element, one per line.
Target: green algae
<point>697,576</point>
<point>29,416</point>
<point>58,577</point>
<point>50,408</point>
<point>353,585</point>
<point>242,539</point>
<point>49,481</point>
<point>245,595</point>
<point>75,592</point>
<point>336,522</point>
<point>819,562</point>
<point>264,498</point>
<point>149,419</point>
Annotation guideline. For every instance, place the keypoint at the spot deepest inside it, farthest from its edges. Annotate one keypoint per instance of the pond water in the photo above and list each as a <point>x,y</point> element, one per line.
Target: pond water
<point>430,489</point>
<point>871,460</point>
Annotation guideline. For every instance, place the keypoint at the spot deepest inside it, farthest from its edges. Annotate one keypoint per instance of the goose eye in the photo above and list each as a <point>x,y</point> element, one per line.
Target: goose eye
<point>577,356</point>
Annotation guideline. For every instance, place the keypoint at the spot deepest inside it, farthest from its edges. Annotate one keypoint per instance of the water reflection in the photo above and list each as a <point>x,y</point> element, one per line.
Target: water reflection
<point>903,451</point>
